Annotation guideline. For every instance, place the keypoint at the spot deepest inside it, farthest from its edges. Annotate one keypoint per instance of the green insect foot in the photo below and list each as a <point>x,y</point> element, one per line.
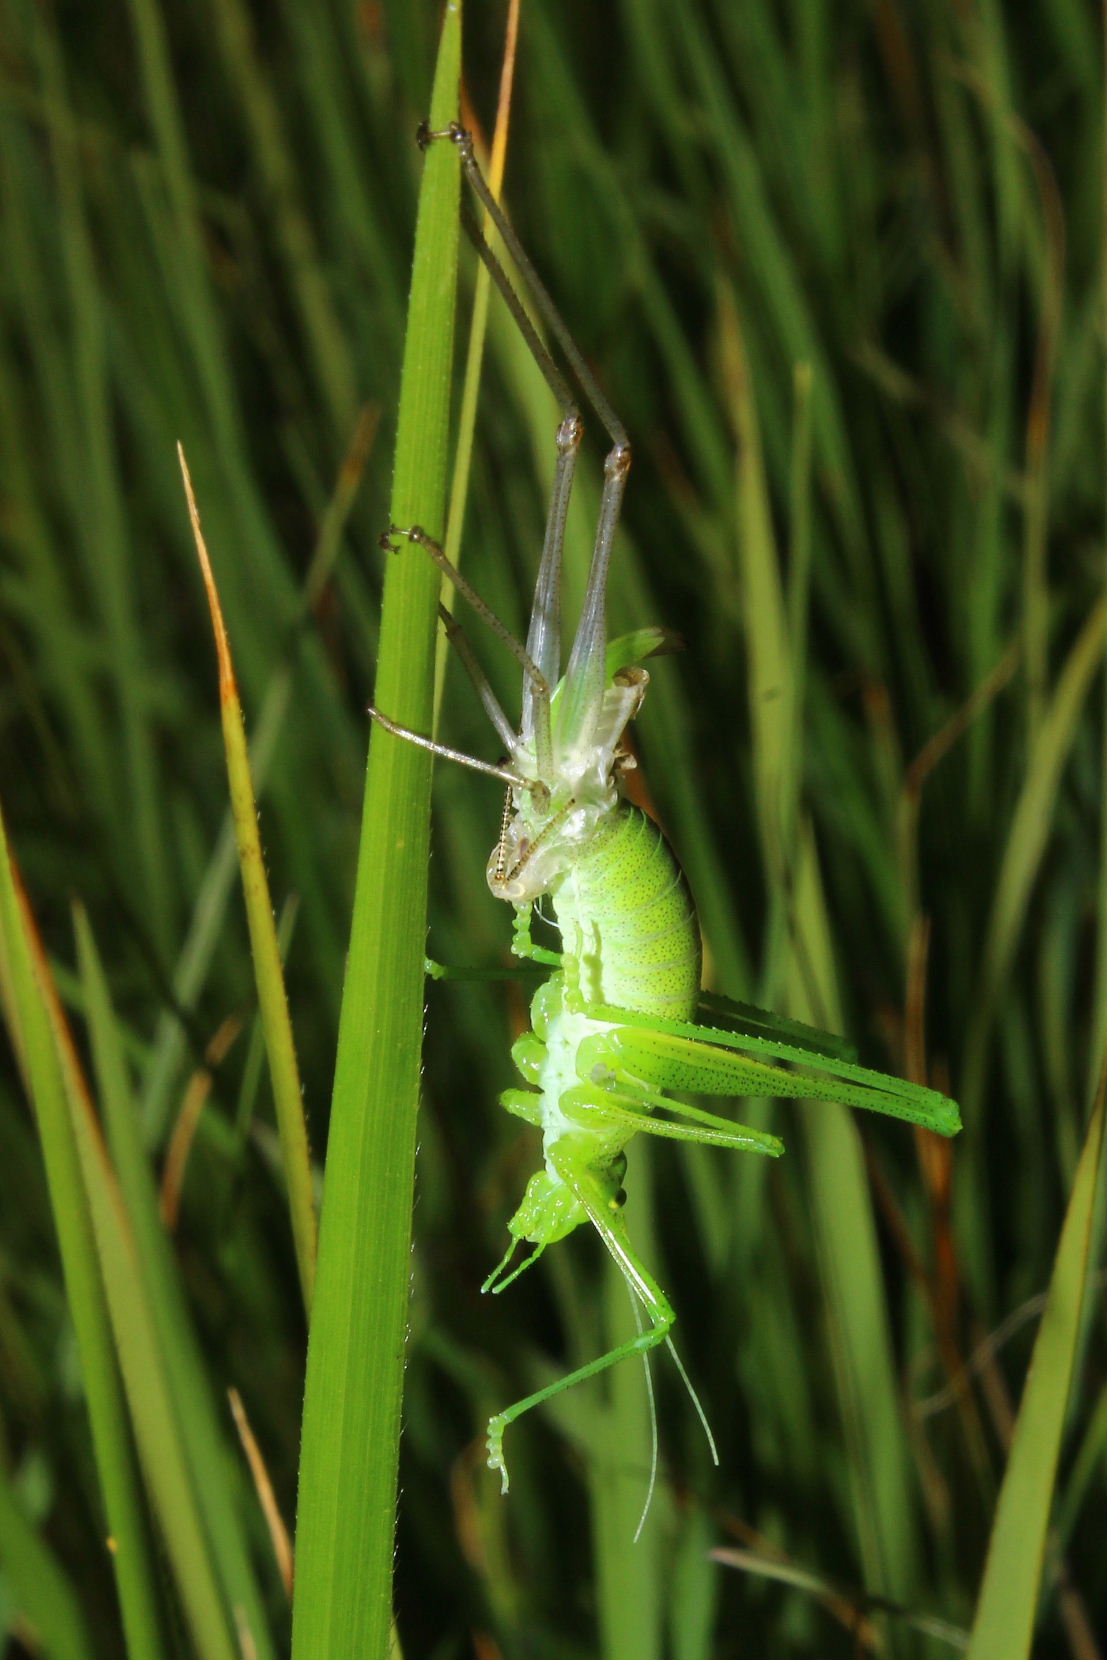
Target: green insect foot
<point>496,1428</point>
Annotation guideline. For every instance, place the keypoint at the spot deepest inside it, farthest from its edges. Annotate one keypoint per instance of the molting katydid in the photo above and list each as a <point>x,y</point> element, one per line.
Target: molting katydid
<point>615,1027</point>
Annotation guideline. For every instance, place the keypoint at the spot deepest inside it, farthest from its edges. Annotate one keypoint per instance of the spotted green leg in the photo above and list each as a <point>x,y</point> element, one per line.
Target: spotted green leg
<point>707,1061</point>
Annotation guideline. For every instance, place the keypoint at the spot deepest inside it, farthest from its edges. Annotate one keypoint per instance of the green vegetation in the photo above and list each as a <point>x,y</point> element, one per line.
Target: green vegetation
<point>840,269</point>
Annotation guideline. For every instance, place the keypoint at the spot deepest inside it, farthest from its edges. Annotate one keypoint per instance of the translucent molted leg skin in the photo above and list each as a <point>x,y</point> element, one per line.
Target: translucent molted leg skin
<point>496,1427</point>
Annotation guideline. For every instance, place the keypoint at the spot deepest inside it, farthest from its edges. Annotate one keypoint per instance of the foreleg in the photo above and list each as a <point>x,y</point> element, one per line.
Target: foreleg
<point>446,971</point>
<point>522,941</point>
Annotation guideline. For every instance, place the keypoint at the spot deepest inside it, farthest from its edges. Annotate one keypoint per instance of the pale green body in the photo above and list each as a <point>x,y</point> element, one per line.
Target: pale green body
<point>614,1031</point>
<point>627,919</point>
<point>630,940</point>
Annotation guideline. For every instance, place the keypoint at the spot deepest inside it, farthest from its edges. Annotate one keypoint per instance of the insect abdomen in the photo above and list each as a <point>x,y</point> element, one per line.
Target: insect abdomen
<point>626,914</point>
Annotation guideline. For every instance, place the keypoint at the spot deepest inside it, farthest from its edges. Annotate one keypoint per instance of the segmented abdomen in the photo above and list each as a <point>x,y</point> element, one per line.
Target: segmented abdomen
<point>626,914</point>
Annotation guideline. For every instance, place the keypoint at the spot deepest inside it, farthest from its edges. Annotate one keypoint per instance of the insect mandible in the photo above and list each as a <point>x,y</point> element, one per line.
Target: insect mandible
<point>614,1028</point>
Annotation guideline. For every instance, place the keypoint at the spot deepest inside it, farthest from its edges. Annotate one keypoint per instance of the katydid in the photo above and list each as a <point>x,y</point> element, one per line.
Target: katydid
<point>614,1026</point>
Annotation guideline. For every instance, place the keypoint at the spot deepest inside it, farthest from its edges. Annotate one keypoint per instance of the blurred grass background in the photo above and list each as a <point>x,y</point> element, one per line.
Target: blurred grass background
<point>840,269</point>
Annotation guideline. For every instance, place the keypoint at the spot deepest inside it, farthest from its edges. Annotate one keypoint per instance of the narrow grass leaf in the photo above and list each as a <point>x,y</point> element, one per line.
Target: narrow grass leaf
<point>268,972</point>
<point>629,1580</point>
<point>38,1585</point>
<point>857,1311</point>
<point>141,1361</point>
<point>851,1607</point>
<point>205,932</point>
<point>133,1558</point>
<point>771,686</point>
<point>25,1001</point>
<point>101,517</point>
<point>272,154</point>
<point>1007,1607</point>
<point>1027,839</point>
<point>204,1443</point>
<point>478,324</point>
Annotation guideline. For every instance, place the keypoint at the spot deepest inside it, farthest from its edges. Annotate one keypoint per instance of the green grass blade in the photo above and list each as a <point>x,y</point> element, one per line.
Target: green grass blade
<point>111,1253</point>
<point>772,689</point>
<point>205,929</point>
<point>271,151</point>
<point>102,516</point>
<point>478,328</point>
<point>33,1041</point>
<point>141,1360</point>
<point>1007,1607</point>
<point>629,1585</point>
<point>37,1583</point>
<point>204,1447</point>
<point>150,1393</point>
<point>269,975</point>
<point>353,1394</point>
<point>1026,843</point>
<point>861,1338</point>
<point>856,1308</point>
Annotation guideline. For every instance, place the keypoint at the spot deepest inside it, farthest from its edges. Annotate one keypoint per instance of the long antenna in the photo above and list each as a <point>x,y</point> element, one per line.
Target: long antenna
<point>585,672</point>
<point>463,142</point>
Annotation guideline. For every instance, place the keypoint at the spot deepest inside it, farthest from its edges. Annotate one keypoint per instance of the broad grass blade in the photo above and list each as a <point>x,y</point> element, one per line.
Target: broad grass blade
<point>344,1539</point>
